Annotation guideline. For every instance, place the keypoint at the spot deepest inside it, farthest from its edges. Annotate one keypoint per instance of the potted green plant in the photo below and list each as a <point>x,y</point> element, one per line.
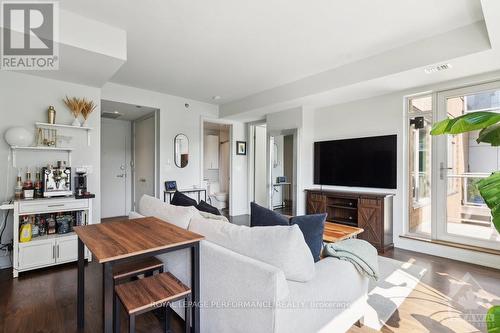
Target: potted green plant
<point>488,123</point>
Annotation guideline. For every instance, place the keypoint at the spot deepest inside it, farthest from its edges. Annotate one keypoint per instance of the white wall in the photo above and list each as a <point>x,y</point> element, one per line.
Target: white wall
<point>174,119</point>
<point>240,203</point>
<point>24,100</point>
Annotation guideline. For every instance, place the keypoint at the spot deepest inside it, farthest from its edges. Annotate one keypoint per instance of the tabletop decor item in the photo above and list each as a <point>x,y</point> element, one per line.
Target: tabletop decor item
<point>19,136</point>
<point>51,113</point>
<point>75,105</point>
<point>87,109</point>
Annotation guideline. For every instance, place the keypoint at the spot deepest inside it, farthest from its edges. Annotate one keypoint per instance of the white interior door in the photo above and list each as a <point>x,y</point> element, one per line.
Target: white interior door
<point>144,157</point>
<point>115,165</point>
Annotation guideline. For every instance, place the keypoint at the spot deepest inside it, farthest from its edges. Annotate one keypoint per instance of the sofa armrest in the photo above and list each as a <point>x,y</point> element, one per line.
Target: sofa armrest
<point>238,292</point>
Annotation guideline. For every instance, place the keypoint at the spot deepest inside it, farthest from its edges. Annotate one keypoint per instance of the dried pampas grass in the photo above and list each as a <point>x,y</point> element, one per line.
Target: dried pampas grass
<point>88,107</point>
<point>80,106</point>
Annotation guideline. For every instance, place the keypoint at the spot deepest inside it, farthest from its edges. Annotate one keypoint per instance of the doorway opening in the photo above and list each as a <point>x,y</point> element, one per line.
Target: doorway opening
<point>217,164</point>
<point>129,156</point>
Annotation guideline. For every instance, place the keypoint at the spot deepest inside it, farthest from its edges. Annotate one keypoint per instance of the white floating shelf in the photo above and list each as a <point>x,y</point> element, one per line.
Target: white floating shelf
<point>41,149</point>
<point>47,125</point>
<point>54,126</point>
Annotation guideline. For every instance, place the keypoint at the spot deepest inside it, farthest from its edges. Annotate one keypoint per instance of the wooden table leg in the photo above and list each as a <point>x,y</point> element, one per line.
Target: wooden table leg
<point>81,285</point>
<point>195,287</point>
<point>108,294</point>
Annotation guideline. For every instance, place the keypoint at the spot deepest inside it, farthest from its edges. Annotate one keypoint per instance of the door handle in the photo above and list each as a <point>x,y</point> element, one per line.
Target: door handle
<point>142,180</point>
<point>53,251</point>
<point>57,251</point>
<point>442,170</point>
<point>120,176</point>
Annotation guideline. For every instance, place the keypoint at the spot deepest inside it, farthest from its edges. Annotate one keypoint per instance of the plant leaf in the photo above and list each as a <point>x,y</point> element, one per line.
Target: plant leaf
<point>490,135</point>
<point>440,127</point>
<point>490,191</point>
<point>466,123</point>
<point>493,319</point>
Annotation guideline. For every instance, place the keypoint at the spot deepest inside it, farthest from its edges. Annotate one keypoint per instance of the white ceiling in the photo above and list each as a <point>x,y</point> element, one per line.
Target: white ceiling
<point>232,48</point>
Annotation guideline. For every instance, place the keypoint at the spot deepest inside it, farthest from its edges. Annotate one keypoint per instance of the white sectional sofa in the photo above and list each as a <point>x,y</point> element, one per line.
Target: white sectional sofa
<point>262,279</point>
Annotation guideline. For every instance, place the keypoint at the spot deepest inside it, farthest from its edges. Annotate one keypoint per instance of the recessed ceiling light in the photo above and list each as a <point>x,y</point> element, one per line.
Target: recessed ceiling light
<point>116,112</point>
<point>216,98</point>
<point>437,68</point>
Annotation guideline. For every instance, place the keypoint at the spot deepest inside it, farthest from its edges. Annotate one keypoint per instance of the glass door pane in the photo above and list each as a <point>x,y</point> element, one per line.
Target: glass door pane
<point>463,163</point>
<point>420,164</point>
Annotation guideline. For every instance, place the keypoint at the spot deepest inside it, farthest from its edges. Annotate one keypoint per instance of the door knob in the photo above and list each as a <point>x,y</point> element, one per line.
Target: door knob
<point>142,180</point>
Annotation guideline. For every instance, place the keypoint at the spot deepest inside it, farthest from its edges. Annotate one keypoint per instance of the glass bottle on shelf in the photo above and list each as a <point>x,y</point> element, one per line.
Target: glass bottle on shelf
<point>28,190</point>
<point>38,185</point>
<point>18,189</point>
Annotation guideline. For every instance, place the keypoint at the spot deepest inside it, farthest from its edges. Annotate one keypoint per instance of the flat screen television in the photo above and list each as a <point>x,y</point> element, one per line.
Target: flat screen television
<point>362,162</point>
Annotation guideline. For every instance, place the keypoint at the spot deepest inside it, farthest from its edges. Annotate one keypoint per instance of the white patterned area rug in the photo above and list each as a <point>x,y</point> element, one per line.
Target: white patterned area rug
<point>397,280</point>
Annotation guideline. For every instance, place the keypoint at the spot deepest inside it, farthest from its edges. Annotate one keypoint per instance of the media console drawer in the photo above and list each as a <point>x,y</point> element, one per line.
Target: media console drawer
<point>39,206</point>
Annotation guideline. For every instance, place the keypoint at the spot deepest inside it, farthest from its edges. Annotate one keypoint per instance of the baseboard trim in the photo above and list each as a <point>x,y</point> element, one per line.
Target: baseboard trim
<point>454,245</point>
<point>488,258</point>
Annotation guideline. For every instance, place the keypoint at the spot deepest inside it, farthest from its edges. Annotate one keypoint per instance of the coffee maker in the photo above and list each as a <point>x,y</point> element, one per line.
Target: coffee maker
<point>80,182</point>
<point>57,180</point>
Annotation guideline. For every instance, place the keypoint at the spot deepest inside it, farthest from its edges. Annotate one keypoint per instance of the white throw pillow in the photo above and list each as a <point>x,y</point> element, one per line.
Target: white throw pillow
<point>178,215</point>
<point>281,246</point>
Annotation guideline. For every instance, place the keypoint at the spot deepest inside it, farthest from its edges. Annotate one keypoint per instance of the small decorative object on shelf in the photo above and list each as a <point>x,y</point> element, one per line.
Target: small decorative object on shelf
<point>75,105</point>
<point>51,115</point>
<point>46,137</point>
<point>88,108</point>
<point>19,136</point>
<point>79,106</point>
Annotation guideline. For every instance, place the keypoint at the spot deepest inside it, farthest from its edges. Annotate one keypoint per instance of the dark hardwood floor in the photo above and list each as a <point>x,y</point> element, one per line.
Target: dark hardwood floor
<point>45,300</point>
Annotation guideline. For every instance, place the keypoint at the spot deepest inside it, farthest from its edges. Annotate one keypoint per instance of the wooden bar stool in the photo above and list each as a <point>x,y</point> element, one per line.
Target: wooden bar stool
<point>143,295</point>
<point>133,269</point>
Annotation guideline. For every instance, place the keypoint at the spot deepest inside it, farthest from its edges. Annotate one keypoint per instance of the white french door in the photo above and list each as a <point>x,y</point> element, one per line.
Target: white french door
<point>458,163</point>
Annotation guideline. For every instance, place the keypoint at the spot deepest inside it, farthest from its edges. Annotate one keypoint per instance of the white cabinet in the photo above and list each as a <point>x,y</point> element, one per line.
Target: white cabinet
<point>66,249</point>
<point>37,253</point>
<point>211,152</point>
<point>51,249</point>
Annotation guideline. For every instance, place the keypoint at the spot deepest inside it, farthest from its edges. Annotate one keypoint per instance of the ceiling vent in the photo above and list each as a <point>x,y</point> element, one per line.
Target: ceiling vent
<point>437,68</point>
<point>111,115</point>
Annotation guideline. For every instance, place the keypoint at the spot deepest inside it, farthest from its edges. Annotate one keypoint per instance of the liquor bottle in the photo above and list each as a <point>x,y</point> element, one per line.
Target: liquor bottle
<point>18,190</point>
<point>38,185</point>
<point>28,190</point>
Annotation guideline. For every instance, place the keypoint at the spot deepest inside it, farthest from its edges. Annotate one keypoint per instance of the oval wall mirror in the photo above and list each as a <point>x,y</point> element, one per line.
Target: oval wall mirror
<point>181,150</point>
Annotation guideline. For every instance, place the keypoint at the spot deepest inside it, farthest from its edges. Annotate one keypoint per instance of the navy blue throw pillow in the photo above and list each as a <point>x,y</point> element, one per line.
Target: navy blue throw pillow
<point>263,217</point>
<point>205,207</point>
<point>180,199</point>
<point>312,226</point>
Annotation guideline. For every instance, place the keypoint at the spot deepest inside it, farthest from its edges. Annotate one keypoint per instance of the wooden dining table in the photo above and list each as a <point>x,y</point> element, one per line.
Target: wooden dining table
<point>128,240</point>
